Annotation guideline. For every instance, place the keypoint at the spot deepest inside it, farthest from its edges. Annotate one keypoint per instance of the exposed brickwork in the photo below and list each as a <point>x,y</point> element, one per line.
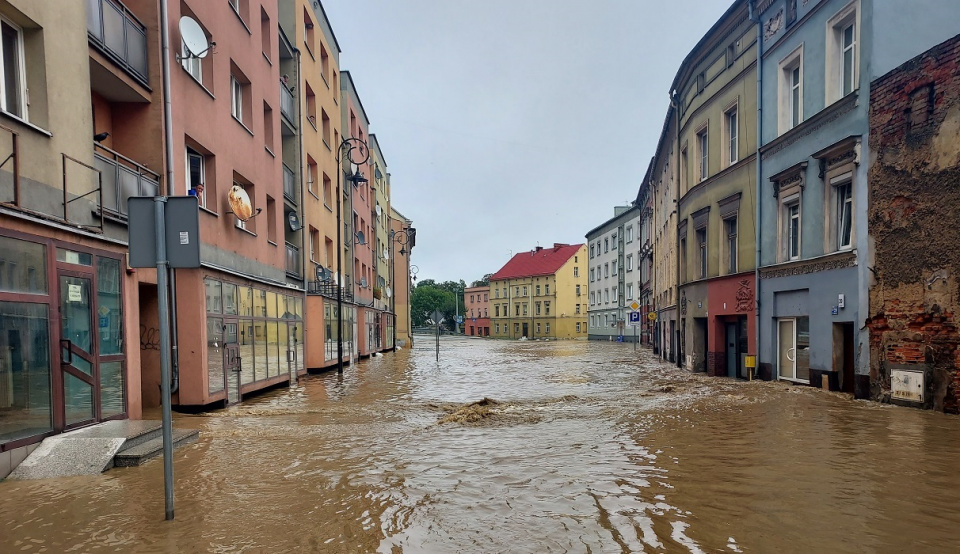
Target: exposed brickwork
<point>914,218</point>
<point>716,364</point>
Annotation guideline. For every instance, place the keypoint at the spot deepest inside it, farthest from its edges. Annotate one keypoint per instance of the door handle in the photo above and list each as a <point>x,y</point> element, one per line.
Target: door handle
<point>69,349</point>
<point>794,358</point>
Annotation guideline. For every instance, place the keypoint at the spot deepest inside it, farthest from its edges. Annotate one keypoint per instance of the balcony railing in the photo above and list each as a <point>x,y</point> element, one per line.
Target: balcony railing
<point>116,32</point>
<point>293,260</point>
<point>289,184</point>
<point>287,105</point>
<point>122,178</point>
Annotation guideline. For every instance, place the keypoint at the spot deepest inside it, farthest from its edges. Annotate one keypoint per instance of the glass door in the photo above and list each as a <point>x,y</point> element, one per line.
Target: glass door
<point>787,348</point>
<point>78,367</point>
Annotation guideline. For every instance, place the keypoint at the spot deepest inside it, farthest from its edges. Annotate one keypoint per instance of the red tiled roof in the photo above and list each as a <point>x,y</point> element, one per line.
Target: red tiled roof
<point>542,261</point>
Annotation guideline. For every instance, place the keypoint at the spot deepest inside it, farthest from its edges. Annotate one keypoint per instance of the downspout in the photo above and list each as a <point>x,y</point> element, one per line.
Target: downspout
<point>168,154</point>
<point>754,16</point>
<point>675,104</point>
<point>303,228</point>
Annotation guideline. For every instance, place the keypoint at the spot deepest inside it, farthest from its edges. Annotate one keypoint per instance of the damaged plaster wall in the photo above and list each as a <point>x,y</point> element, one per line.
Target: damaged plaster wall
<point>914,221</point>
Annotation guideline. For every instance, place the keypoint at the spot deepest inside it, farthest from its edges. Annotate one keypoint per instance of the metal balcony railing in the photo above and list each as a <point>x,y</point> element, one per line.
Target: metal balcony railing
<point>289,184</point>
<point>116,32</point>
<point>287,105</point>
<point>122,178</point>
<point>293,260</point>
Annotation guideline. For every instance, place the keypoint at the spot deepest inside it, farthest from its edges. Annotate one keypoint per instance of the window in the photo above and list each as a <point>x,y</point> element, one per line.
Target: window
<point>630,263</point>
<point>791,90</point>
<point>613,239</point>
<point>606,296</point>
<point>327,191</point>
<point>591,251</point>
<point>537,308</point>
<point>591,275</point>
<point>730,121</point>
<point>547,288</point>
<point>702,151</point>
<point>613,268</point>
<point>629,291</point>
<point>308,38</point>
<point>496,310</point>
<point>843,52</point>
<point>576,271</point>
<point>538,290</point>
<point>730,226</point>
<point>191,63</point>
<point>325,126</point>
<point>577,308</point>
<point>791,210</point>
<point>606,245</point>
<point>546,308</point>
<point>517,309</point>
<point>197,179</point>
<point>844,210</point>
<point>524,309</point>
<point>314,243</point>
<point>14,81</point>
<point>268,126</point>
<point>684,168</point>
<point>236,98</point>
<point>265,41</point>
<point>683,260</point>
<point>548,323</point>
<point>578,323</point>
<point>524,290</point>
<point>606,271</point>
<point>578,290</point>
<point>702,249</point>
<point>793,348</point>
<point>628,232</point>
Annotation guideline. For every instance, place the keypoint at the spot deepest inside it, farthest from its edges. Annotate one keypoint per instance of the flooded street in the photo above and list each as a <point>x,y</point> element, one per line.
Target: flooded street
<point>583,447</point>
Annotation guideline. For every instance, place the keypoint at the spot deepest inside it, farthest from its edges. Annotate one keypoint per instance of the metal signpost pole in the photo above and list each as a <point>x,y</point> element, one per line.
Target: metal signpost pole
<point>164,317</point>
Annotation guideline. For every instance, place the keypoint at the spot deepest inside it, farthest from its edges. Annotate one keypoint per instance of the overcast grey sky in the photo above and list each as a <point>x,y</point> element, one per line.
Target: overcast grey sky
<point>508,123</point>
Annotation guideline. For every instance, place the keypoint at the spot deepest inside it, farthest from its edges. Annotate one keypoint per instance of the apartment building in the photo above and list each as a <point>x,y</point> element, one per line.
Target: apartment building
<point>613,282</point>
<point>540,294</point>
<point>476,315</point>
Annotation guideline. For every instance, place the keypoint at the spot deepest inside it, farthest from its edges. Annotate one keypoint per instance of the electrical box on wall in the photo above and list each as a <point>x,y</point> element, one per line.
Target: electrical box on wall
<point>907,385</point>
<point>840,300</point>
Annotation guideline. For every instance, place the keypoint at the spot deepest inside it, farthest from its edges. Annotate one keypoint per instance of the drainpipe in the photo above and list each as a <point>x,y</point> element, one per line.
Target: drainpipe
<point>168,154</point>
<point>303,227</point>
<point>675,104</point>
<point>754,16</point>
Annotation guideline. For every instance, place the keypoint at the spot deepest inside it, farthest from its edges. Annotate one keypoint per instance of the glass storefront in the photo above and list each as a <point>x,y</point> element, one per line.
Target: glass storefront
<point>265,327</point>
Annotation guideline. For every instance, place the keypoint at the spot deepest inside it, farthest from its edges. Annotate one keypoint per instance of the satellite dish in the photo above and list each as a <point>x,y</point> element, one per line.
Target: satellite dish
<point>360,238</point>
<point>293,221</point>
<point>363,282</point>
<point>386,254</point>
<point>193,37</point>
<point>388,292</point>
<point>323,274</point>
<point>240,203</point>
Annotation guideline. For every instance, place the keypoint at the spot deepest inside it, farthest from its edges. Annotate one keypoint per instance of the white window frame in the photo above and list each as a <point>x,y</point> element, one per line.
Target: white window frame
<point>629,262</point>
<point>787,86</point>
<point>21,75</point>
<point>703,153</point>
<point>835,72</point>
<point>236,98</point>
<point>703,252</point>
<point>731,133</point>
<point>190,63</point>
<point>191,153</point>
<point>787,227</point>
<point>628,234</point>
<point>731,249</point>
<point>837,184</point>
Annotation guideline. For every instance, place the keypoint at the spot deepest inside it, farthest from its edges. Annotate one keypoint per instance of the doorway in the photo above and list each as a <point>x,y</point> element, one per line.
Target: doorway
<point>78,356</point>
<point>843,354</point>
<point>793,349</point>
<point>731,349</point>
<point>526,330</point>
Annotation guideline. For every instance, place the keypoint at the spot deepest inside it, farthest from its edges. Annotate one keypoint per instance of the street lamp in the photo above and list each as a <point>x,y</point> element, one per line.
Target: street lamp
<point>356,152</point>
<point>402,237</point>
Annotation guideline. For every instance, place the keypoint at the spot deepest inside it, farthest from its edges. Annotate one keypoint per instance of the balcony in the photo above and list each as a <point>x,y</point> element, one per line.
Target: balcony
<point>122,178</point>
<point>293,260</point>
<point>289,184</point>
<point>288,106</point>
<point>119,35</point>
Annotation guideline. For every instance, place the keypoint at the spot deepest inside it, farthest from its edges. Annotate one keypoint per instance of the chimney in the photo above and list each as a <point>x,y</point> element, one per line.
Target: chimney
<point>539,248</point>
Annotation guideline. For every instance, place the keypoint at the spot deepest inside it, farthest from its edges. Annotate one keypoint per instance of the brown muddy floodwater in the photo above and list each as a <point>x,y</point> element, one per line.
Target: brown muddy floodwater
<point>578,448</point>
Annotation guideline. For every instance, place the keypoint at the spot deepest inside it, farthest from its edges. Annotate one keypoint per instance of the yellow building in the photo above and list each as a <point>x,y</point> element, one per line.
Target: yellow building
<point>541,294</point>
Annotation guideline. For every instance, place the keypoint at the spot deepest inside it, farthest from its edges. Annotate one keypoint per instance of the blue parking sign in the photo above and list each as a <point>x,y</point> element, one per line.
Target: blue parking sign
<point>633,318</point>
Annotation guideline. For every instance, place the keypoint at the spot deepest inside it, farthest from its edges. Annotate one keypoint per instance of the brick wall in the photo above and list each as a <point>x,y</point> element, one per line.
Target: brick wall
<point>914,219</point>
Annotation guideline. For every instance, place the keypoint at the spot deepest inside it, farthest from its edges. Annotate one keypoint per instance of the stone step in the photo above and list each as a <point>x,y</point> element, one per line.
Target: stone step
<point>140,453</point>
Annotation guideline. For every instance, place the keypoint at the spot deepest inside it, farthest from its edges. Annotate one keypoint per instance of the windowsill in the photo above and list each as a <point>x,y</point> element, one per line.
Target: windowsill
<point>271,242</point>
<point>313,194</point>
<point>238,120</point>
<point>327,144</point>
<point>312,123</point>
<point>240,17</point>
<point>247,231</point>
<point>22,121</point>
<point>266,57</point>
<point>327,206</point>
<point>309,51</point>
<point>269,151</point>
<point>198,82</point>
<point>209,211</point>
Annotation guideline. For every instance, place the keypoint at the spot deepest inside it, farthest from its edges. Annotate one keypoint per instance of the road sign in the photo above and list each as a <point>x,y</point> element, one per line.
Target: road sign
<point>437,317</point>
<point>652,316</point>
<point>633,319</point>
<point>634,306</point>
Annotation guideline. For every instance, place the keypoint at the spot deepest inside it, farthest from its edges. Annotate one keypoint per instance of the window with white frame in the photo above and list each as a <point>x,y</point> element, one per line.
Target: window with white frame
<point>591,251</point>
<point>628,234</point>
<point>790,84</point>
<point>606,296</point>
<point>703,147</point>
<point>702,249</point>
<point>629,261</point>
<point>730,244</point>
<point>606,270</point>
<point>629,291</point>
<point>591,274</point>
<point>576,271</point>
<point>13,89</point>
<point>236,98</point>
<point>843,198</point>
<point>613,268</point>
<point>790,215</point>
<point>731,135</point>
<point>613,239</point>
<point>606,245</point>
<point>196,175</point>
<point>191,63</point>
<point>843,52</point>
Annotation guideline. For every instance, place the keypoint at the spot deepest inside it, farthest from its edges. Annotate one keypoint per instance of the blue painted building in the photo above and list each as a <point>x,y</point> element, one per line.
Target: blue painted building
<point>817,60</point>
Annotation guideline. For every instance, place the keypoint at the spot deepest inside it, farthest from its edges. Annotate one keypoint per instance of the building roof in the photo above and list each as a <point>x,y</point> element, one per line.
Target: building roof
<point>540,261</point>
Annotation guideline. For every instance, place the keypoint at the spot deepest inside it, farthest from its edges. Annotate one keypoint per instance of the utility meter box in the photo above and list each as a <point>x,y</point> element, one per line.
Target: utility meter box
<point>907,385</point>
